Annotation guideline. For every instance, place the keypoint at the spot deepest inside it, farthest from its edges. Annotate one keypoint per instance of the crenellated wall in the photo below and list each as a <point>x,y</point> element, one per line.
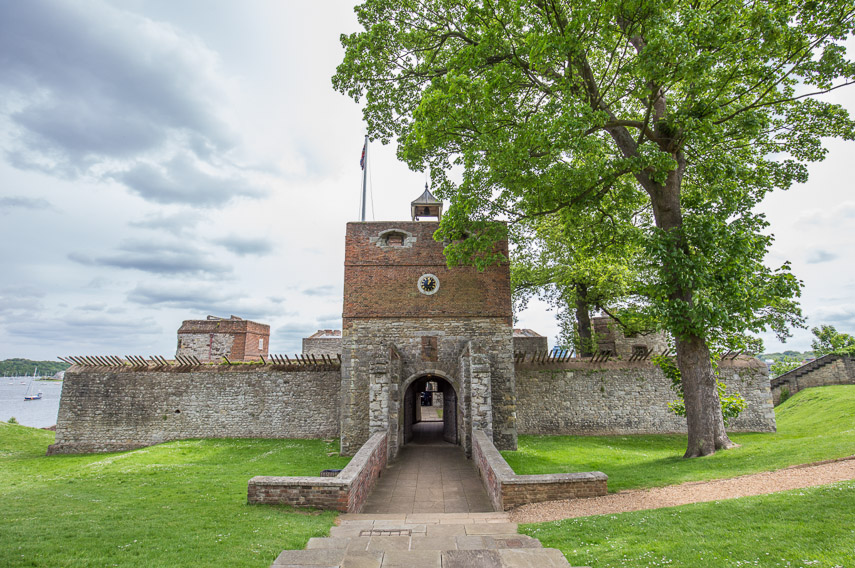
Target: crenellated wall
<point>620,397</point>
<point>104,409</point>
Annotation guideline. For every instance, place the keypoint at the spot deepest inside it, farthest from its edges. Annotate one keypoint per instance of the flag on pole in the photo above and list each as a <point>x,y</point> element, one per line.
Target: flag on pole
<point>362,159</point>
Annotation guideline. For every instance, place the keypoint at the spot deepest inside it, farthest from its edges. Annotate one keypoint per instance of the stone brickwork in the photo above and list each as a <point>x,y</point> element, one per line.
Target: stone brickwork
<point>387,322</point>
<point>211,339</point>
<point>367,347</point>
<point>508,490</point>
<point>619,397</point>
<point>104,409</point>
<point>528,341</point>
<point>323,342</point>
<point>345,492</point>
<point>611,338</point>
<point>827,370</point>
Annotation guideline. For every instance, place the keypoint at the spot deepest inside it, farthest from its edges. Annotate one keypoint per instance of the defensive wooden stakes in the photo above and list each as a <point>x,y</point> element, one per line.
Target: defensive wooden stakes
<point>300,362</point>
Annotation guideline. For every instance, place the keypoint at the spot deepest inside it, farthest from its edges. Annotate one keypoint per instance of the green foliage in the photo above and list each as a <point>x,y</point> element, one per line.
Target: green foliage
<point>787,355</point>
<point>805,527</point>
<point>177,504</point>
<point>813,425</point>
<point>785,395</point>
<point>784,365</point>
<point>522,110</point>
<point>12,420</point>
<point>26,367</point>
<point>829,340</point>
<point>731,404</point>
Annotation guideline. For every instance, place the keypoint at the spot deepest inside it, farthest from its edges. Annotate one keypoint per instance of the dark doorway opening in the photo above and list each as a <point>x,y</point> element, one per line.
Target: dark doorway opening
<point>430,411</point>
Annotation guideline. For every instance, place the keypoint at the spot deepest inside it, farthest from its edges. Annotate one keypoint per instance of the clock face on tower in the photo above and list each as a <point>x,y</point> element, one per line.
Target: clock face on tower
<point>428,284</point>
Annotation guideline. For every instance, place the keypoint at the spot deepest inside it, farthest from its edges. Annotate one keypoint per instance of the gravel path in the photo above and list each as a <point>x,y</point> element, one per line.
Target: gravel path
<point>794,477</point>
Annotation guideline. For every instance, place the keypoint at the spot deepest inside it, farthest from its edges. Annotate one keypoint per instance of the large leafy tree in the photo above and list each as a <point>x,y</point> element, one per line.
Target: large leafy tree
<point>523,108</point>
<point>582,259</point>
<point>829,340</point>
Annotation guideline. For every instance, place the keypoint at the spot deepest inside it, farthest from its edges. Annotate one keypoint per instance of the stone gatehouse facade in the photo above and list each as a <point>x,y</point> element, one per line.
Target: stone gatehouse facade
<point>408,321</point>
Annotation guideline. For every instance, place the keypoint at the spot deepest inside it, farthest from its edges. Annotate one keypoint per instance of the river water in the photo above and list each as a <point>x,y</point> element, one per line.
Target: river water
<point>36,413</point>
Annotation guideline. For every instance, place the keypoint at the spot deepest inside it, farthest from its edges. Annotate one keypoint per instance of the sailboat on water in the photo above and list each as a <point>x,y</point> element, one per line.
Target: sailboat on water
<point>29,394</point>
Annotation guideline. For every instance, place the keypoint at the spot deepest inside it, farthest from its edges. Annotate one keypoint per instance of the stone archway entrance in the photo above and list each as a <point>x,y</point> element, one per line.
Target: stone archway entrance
<point>423,399</point>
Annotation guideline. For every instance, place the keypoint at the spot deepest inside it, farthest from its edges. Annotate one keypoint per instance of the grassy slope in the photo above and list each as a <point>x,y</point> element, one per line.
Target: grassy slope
<point>815,424</point>
<point>177,504</point>
<point>810,528</point>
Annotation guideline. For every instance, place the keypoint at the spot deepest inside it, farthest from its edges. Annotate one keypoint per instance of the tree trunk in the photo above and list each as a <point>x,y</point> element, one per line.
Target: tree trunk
<point>583,322</point>
<point>703,407</point>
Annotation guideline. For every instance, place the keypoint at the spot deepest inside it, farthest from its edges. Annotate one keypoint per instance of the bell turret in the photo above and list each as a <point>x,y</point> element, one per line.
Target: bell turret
<point>426,206</point>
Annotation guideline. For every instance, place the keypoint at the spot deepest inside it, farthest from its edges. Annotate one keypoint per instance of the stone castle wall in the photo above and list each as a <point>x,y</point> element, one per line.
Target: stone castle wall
<point>583,398</point>
<point>204,346</point>
<point>828,370</point>
<point>109,410</point>
<point>209,340</point>
<point>367,345</point>
<point>322,346</point>
<point>530,344</point>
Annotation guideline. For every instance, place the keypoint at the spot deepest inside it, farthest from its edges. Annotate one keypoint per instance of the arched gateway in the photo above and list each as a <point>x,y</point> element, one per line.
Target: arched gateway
<point>426,397</point>
<point>409,320</point>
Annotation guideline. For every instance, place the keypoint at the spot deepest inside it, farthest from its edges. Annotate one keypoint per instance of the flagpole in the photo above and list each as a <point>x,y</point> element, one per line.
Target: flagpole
<point>364,176</point>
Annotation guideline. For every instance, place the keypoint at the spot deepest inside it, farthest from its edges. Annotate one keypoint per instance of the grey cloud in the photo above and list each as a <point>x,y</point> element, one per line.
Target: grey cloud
<point>325,290</point>
<point>203,299</point>
<point>288,338</point>
<point>839,212</point>
<point>91,89</point>
<point>243,246</point>
<point>20,202</point>
<point>842,316</point>
<point>181,180</point>
<point>106,82</point>
<point>329,321</point>
<point>17,302</point>
<point>819,255</point>
<point>176,224</point>
<point>96,332</point>
<point>177,258</point>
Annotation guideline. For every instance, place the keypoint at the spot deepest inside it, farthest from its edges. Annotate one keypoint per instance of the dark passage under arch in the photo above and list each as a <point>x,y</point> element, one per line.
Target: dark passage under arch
<point>418,430</point>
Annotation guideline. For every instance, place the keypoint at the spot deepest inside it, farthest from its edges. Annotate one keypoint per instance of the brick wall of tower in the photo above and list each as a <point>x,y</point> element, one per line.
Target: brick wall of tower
<point>382,281</point>
<point>383,308</point>
<point>210,340</point>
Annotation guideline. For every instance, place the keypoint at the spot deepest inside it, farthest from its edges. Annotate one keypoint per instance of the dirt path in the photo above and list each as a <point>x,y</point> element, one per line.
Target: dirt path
<point>794,477</point>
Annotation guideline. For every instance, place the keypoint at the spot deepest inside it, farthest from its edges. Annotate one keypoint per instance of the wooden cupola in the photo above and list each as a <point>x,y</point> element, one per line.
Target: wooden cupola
<point>426,206</point>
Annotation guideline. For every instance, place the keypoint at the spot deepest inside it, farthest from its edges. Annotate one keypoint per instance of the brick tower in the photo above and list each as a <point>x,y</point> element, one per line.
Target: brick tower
<point>408,319</point>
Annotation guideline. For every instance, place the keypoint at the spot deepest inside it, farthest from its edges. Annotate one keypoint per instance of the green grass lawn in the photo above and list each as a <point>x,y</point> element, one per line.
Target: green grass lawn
<point>808,528</point>
<point>815,424</point>
<point>176,504</point>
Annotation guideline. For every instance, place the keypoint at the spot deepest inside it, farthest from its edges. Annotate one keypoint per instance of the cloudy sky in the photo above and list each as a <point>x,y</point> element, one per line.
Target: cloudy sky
<point>162,160</point>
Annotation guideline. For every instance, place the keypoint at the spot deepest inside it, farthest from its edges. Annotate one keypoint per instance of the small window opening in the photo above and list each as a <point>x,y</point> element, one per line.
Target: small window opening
<point>395,240</point>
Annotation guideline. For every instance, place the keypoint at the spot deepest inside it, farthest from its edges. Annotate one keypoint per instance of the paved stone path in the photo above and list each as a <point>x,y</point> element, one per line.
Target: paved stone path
<point>429,476</point>
<point>424,540</point>
<point>428,510</point>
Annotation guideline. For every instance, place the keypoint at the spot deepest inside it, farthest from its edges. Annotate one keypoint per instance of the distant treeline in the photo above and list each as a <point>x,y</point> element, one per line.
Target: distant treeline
<point>788,355</point>
<point>21,367</point>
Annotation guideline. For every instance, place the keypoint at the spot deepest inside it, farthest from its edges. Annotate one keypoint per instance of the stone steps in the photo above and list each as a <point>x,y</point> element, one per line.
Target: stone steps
<point>442,540</point>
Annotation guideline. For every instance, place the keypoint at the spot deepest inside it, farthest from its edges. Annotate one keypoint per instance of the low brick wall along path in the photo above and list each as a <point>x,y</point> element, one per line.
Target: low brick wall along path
<point>508,490</point>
